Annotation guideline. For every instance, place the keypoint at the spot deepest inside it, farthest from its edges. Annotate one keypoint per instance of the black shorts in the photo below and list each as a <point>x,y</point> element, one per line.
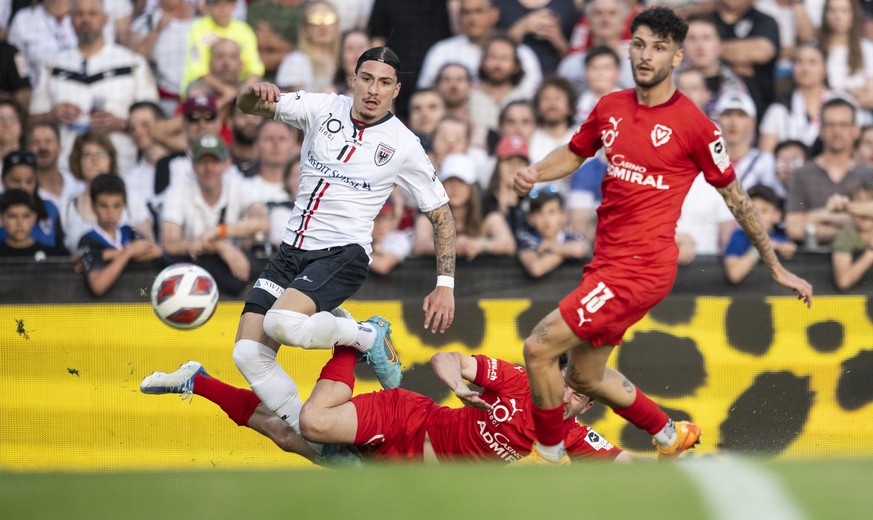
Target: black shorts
<point>328,276</point>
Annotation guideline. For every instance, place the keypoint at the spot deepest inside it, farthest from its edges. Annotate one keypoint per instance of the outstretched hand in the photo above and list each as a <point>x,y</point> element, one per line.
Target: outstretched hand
<point>800,286</point>
<point>471,398</point>
<point>439,309</point>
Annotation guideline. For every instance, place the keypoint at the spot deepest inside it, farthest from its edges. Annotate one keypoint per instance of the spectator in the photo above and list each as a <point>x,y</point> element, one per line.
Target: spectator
<point>690,81</point>
<point>275,144</point>
<point>865,146</point>
<point>243,151</point>
<point>798,117</point>
<point>476,233</point>
<point>93,85</point>
<point>546,245</point>
<point>18,217</point>
<point>426,109</point>
<point>398,24</point>
<point>555,104</point>
<point>585,196</point>
<point>203,219</point>
<point>602,72</point>
<point>703,51</point>
<point>450,136</point>
<point>110,245</point>
<point>225,68</point>
<point>512,155</point>
<point>478,19</point>
<point>545,27</point>
<point>19,173</point>
<point>852,254</point>
<point>353,43</point>
<point>353,14</point>
<point>161,37</point>
<point>849,56</point>
<point>750,45</point>
<point>790,155</point>
<point>15,80</point>
<point>55,183</point>
<point>517,118</point>
<point>607,25</point>
<point>736,117</point>
<point>740,256</point>
<point>500,75</point>
<point>140,179</point>
<point>277,27</point>
<point>834,171</point>
<point>391,245</point>
<point>40,32</point>
<point>280,212</point>
<point>706,223</point>
<point>217,23</point>
<point>454,82</point>
<point>92,154</point>
<point>11,129</point>
<point>786,13</point>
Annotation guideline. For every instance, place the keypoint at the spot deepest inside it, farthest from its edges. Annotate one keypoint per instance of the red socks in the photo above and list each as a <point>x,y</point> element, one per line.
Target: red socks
<point>239,404</point>
<point>341,367</point>
<point>549,425</point>
<point>644,414</point>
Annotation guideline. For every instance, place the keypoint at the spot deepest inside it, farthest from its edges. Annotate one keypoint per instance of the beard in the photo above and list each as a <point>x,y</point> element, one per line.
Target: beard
<point>657,77</point>
<point>242,137</point>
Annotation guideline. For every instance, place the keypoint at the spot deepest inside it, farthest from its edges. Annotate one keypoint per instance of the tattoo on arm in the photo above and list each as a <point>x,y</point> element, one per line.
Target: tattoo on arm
<point>628,386</point>
<point>744,211</point>
<point>443,239</point>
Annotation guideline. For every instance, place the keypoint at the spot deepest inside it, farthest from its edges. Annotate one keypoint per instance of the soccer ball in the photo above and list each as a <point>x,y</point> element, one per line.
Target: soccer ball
<point>184,296</point>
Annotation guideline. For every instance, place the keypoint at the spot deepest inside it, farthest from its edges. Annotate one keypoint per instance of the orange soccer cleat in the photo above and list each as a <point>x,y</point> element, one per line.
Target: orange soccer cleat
<point>536,458</point>
<point>687,436</point>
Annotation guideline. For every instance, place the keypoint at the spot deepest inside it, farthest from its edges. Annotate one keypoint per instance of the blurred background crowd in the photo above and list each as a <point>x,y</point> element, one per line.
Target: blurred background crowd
<point>121,140</point>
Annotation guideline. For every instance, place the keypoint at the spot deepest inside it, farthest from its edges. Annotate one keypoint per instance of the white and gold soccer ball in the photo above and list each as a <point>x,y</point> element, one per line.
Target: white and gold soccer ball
<point>184,296</point>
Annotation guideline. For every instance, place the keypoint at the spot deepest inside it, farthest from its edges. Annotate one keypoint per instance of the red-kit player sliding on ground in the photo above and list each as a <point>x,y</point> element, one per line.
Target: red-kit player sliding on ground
<point>656,142</point>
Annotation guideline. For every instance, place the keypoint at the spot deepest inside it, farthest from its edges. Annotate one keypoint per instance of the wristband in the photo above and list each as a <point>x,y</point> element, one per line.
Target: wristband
<point>222,230</point>
<point>446,281</point>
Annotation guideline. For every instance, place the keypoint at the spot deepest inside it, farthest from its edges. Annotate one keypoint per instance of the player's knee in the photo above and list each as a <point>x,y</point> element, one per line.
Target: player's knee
<point>246,357</point>
<point>312,423</point>
<point>286,327</point>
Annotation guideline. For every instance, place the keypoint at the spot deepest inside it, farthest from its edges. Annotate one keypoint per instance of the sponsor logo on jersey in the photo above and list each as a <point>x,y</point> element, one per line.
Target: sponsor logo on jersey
<point>608,136</point>
<point>719,154</point>
<point>331,172</point>
<point>500,412</point>
<point>596,441</point>
<point>661,134</point>
<point>498,443</point>
<point>625,170</point>
<point>383,154</point>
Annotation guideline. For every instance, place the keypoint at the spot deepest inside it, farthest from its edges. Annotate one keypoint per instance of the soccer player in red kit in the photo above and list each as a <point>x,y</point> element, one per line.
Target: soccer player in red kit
<point>656,142</point>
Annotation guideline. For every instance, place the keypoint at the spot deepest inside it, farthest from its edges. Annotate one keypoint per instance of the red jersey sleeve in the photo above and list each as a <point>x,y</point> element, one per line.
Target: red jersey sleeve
<point>500,376</point>
<point>587,139</point>
<point>710,154</point>
<point>582,442</point>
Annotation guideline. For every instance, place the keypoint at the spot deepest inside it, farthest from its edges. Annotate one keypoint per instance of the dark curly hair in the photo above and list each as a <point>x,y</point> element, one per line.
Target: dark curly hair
<point>662,21</point>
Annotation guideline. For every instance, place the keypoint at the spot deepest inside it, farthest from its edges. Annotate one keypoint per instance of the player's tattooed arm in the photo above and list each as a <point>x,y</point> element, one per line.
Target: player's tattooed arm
<point>443,239</point>
<point>744,211</point>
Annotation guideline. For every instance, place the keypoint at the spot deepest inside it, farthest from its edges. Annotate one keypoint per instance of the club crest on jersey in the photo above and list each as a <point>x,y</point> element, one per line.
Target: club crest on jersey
<point>384,153</point>
<point>661,134</point>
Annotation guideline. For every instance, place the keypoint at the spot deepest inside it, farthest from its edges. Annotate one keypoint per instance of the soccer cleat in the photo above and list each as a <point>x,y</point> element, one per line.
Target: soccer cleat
<point>535,458</point>
<point>687,437</point>
<point>179,382</point>
<point>382,356</point>
<point>338,455</point>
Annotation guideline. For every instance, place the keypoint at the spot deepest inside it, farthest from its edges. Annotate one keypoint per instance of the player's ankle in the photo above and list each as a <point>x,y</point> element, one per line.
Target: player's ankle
<point>667,435</point>
<point>551,453</point>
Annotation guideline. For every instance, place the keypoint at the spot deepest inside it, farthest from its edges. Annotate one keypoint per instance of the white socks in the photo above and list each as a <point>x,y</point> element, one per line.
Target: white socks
<point>552,453</point>
<point>667,435</point>
<point>273,386</point>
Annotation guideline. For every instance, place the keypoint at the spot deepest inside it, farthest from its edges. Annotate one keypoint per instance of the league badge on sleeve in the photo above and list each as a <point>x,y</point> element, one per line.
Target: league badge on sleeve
<point>384,153</point>
<point>719,154</point>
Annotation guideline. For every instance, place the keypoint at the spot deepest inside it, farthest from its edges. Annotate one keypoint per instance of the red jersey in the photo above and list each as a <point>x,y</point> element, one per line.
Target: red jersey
<point>653,155</point>
<point>507,431</point>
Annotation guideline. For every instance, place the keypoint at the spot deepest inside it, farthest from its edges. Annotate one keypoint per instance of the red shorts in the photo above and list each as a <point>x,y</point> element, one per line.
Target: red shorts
<point>391,424</point>
<point>613,296</point>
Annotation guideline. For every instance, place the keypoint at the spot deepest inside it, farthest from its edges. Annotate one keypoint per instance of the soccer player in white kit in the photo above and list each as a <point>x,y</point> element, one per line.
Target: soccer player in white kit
<point>354,153</point>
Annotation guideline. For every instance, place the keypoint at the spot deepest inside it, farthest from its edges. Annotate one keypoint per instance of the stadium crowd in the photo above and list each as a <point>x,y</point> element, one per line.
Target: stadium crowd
<point>93,92</point>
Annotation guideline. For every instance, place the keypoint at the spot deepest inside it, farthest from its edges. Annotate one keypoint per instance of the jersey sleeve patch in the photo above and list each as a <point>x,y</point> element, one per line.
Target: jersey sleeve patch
<point>719,154</point>
<point>596,441</point>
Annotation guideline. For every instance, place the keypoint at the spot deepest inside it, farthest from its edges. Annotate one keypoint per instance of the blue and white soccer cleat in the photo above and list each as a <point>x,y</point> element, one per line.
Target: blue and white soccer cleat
<point>338,455</point>
<point>382,356</point>
<point>179,382</point>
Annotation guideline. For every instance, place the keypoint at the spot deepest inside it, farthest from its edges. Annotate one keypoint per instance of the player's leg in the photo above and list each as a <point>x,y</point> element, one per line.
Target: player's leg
<point>329,415</point>
<point>587,373</point>
<point>550,338</point>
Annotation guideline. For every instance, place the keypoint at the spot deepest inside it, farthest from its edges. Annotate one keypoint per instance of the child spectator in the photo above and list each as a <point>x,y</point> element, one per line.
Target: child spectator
<point>740,256</point>
<point>852,254</point>
<point>18,214</point>
<point>546,245</point>
<point>19,172</point>
<point>106,249</point>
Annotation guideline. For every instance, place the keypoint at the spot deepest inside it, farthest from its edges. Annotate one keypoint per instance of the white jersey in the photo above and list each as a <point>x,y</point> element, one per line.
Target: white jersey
<point>347,171</point>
